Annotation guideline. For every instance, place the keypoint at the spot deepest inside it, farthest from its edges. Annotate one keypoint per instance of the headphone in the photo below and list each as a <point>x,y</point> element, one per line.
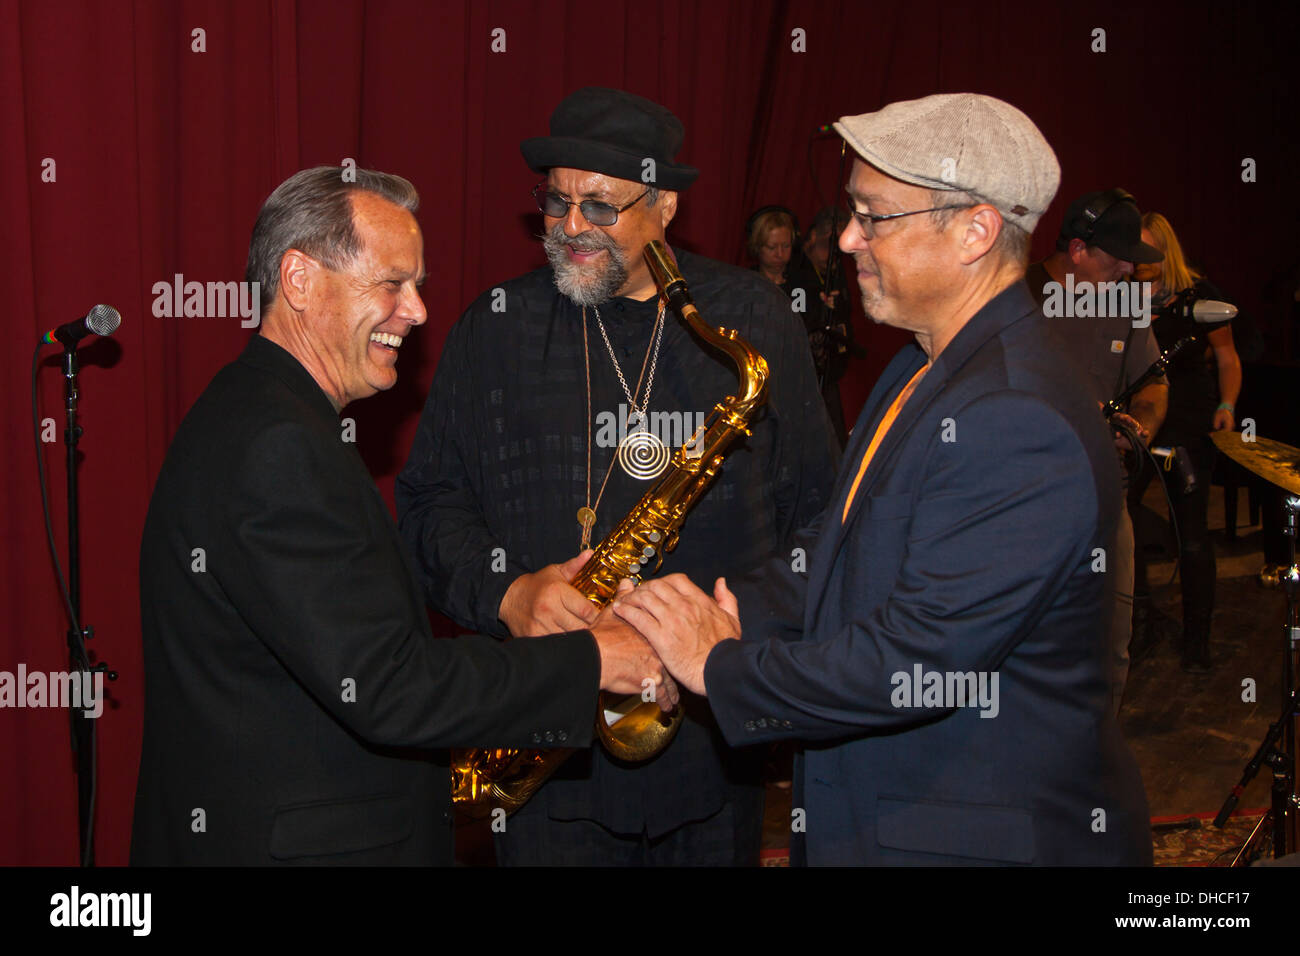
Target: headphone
<point>1084,225</point>
<point>763,210</point>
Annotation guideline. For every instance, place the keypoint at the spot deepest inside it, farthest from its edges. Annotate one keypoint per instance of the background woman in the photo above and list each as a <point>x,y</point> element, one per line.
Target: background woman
<point>1203,386</point>
<point>770,241</point>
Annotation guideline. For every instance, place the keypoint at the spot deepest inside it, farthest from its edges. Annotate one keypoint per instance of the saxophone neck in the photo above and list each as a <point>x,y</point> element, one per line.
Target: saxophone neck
<point>750,366</point>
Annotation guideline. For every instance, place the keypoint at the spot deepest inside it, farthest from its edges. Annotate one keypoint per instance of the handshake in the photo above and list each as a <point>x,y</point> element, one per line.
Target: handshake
<point>659,631</point>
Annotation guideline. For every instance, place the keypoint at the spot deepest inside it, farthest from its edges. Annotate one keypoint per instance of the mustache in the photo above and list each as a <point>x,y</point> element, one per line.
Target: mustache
<point>591,241</point>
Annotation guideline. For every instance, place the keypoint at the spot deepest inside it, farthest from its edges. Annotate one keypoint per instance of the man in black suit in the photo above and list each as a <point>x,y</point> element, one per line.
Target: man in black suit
<point>945,656</point>
<point>295,694</point>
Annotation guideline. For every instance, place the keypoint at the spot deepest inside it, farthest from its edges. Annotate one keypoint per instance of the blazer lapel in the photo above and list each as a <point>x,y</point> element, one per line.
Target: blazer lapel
<point>891,381</point>
<point>926,389</point>
<point>1004,309</point>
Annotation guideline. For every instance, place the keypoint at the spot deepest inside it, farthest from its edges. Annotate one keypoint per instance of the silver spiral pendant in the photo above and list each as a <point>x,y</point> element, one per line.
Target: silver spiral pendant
<point>642,455</point>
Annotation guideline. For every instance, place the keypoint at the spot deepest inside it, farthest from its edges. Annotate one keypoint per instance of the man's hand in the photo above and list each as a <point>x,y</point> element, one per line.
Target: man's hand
<point>1149,406</point>
<point>681,622</point>
<point>544,602</point>
<point>1121,441</point>
<point>1222,420</point>
<point>627,661</point>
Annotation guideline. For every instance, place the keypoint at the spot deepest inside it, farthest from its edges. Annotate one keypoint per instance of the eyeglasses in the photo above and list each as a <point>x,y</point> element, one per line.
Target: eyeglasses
<point>867,222</point>
<point>593,210</point>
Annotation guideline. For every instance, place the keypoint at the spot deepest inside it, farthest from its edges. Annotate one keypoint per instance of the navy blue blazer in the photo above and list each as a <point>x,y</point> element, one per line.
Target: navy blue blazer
<point>974,551</point>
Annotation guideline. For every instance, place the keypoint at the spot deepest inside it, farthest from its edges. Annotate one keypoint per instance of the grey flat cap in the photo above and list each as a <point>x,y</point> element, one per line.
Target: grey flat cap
<point>964,141</point>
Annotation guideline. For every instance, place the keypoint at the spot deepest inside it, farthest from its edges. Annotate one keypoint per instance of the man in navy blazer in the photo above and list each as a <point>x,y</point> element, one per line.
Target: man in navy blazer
<point>944,656</point>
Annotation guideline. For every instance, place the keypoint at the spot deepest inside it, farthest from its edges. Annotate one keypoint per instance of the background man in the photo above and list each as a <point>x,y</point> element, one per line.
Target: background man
<point>1099,242</point>
<point>286,645</point>
<point>826,304</point>
<point>957,552</point>
<point>518,434</point>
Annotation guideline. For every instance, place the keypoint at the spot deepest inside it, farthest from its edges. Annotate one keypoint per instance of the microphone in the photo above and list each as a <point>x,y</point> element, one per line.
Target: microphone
<point>1200,311</point>
<point>101,320</point>
<point>1211,311</point>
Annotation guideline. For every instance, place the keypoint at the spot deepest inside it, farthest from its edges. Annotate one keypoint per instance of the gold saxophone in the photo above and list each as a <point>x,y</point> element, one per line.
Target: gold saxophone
<point>484,779</point>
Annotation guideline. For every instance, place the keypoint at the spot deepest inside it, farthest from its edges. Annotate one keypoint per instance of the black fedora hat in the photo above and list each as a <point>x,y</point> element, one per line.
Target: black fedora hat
<point>612,132</point>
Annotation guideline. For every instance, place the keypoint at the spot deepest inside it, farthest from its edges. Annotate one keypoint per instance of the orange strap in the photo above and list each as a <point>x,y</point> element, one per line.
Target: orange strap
<point>881,430</point>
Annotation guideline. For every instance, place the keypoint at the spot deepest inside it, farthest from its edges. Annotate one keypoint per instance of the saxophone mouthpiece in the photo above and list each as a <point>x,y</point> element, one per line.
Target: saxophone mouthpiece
<point>666,274</point>
<point>662,265</point>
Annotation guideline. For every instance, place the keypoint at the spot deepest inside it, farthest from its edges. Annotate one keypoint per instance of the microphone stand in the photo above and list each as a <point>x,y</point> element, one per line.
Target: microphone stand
<point>854,349</point>
<point>1156,369</point>
<point>83,728</point>
<point>829,286</point>
<point>1278,825</point>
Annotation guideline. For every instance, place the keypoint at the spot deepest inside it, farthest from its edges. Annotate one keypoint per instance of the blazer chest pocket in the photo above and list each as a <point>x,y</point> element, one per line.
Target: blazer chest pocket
<point>340,826</point>
<point>975,831</point>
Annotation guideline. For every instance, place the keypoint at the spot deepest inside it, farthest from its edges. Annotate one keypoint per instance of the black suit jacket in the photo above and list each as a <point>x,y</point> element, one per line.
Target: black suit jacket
<point>974,546</point>
<point>295,695</point>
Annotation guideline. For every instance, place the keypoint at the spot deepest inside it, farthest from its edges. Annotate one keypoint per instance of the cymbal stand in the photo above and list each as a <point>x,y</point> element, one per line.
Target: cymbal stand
<point>1279,823</point>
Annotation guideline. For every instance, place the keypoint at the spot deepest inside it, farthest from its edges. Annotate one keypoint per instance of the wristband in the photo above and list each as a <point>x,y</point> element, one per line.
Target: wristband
<point>1226,407</point>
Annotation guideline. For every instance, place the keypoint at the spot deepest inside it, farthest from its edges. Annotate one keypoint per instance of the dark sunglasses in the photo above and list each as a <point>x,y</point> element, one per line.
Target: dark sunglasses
<point>595,212</point>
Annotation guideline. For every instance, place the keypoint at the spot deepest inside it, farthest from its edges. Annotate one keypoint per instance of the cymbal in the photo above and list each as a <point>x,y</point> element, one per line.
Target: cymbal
<point>1273,461</point>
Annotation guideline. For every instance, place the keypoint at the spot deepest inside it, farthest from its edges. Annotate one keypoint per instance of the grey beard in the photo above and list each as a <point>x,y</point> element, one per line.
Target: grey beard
<point>585,287</point>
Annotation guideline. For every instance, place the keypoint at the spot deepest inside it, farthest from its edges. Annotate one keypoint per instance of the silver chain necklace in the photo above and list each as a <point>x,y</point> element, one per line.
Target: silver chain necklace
<point>641,453</point>
<point>654,360</point>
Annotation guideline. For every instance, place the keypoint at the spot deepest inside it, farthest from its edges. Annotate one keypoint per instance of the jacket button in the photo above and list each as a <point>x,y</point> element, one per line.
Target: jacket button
<point>762,722</point>
<point>537,738</point>
<point>787,725</point>
<point>749,725</point>
<point>563,735</point>
<point>550,737</point>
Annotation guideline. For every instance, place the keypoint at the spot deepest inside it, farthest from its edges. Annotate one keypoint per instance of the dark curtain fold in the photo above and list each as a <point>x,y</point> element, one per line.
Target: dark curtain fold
<point>163,154</point>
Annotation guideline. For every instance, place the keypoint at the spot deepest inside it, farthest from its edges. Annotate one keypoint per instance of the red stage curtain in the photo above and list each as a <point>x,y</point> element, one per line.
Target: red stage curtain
<point>163,154</point>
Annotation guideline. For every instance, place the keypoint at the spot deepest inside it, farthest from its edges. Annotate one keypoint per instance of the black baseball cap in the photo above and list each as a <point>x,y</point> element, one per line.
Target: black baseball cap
<point>1111,221</point>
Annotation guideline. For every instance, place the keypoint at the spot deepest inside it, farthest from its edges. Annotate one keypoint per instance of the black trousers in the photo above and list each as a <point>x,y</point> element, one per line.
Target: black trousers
<point>730,837</point>
<point>1196,557</point>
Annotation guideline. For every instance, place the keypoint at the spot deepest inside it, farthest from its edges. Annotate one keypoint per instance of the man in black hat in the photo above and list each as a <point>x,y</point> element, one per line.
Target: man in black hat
<point>1099,242</point>
<point>562,392</point>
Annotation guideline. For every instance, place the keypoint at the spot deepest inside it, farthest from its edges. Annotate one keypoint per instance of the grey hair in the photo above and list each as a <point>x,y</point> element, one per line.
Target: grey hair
<point>1012,245</point>
<point>312,211</point>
